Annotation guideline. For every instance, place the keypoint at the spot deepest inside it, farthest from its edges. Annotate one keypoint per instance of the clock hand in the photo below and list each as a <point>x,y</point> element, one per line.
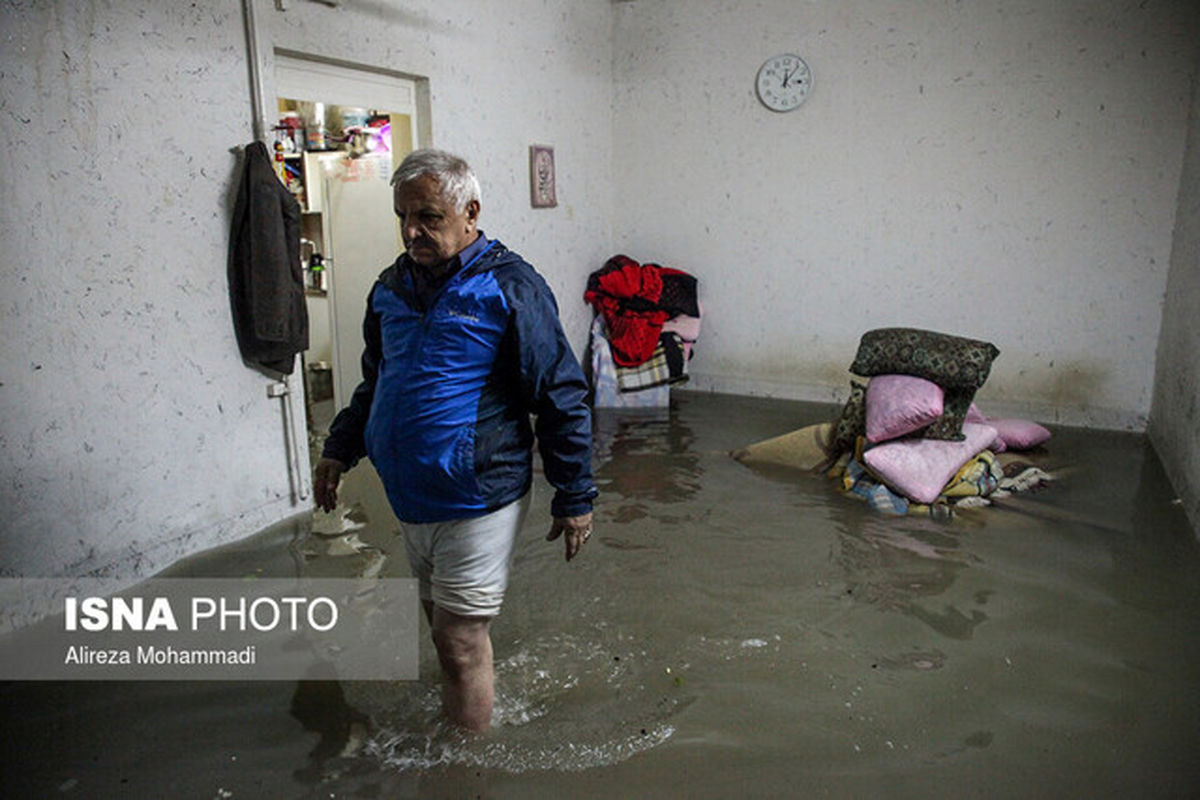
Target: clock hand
<point>788,75</point>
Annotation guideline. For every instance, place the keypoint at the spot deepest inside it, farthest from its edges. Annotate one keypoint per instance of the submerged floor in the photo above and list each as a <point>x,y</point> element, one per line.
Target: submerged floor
<point>729,633</point>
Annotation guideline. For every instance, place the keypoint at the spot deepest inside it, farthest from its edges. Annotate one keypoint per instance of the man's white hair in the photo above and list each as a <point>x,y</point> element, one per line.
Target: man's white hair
<point>457,181</point>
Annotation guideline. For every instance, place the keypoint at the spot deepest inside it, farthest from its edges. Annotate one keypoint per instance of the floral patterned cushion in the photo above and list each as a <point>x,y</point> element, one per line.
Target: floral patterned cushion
<point>853,421</point>
<point>955,404</point>
<point>949,361</point>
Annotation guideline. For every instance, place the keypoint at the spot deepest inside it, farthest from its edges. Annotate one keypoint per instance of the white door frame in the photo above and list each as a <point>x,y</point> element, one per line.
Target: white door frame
<point>299,76</point>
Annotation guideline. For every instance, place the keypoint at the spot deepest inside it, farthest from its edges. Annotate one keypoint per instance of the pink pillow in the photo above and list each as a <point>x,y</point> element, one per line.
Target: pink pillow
<point>1019,434</point>
<point>976,416</point>
<point>900,404</point>
<point>920,468</point>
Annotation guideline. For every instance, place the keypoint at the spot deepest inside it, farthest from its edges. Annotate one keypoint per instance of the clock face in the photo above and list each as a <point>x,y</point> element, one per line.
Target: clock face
<point>784,82</point>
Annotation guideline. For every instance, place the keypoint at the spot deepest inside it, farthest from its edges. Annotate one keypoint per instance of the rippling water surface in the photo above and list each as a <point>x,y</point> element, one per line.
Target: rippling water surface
<point>730,632</point>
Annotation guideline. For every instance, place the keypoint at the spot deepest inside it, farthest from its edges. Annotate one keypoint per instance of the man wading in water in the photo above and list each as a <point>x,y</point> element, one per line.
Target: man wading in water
<point>463,345</point>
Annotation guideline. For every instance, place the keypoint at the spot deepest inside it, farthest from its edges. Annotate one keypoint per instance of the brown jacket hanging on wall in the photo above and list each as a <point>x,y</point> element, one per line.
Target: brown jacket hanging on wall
<point>266,284</point>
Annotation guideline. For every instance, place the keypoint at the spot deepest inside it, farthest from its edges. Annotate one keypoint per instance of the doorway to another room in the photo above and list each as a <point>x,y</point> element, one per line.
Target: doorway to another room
<point>340,133</point>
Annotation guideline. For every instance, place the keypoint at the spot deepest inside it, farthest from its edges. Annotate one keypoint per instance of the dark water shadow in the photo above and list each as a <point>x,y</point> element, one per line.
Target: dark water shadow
<point>901,565</point>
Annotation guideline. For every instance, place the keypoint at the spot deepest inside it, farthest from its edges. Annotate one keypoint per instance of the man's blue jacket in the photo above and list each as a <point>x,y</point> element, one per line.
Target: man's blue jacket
<point>444,407</point>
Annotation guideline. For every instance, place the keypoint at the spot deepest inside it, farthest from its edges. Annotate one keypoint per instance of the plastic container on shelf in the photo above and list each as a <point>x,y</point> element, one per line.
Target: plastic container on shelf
<point>314,119</point>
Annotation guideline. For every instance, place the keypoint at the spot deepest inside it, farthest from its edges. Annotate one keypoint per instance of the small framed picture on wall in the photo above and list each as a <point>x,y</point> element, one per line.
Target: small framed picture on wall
<point>541,176</point>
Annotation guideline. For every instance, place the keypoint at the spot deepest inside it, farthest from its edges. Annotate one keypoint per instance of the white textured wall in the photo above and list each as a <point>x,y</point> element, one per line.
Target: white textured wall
<point>1175,415</point>
<point>132,433</point>
<point>1001,169</point>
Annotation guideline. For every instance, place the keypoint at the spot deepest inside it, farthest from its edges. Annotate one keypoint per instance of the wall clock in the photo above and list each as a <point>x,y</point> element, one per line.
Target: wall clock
<point>784,82</point>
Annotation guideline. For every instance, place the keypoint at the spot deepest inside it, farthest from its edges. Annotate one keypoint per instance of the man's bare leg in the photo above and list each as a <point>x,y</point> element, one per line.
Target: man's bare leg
<point>464,649</point>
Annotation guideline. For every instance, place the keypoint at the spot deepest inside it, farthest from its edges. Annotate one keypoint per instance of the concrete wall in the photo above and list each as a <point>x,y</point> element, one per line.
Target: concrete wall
<point>1175,416</point>
<point>1001,169</point>
<point>1004,170</point>
<point>132,433</point>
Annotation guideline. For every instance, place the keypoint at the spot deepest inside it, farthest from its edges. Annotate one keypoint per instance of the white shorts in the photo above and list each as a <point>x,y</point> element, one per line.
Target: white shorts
<point>462,564</point>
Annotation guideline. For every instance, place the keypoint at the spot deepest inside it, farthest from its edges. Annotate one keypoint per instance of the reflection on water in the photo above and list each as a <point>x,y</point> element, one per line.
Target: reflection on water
<point>731,632</point>
<point>320,706</point>
<point>644,465</point>
<point>900,565</point>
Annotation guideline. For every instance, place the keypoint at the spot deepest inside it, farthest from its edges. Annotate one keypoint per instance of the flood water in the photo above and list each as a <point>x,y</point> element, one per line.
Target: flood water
<point>729,632</point>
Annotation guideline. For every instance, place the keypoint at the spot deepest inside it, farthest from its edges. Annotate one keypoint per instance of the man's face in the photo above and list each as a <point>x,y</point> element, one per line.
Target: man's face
<point>433,231</point>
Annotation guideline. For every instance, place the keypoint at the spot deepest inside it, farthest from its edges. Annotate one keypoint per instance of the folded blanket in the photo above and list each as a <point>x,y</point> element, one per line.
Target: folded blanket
<point>979,477</point>
<point>667,365</point>
<point>858,482</point>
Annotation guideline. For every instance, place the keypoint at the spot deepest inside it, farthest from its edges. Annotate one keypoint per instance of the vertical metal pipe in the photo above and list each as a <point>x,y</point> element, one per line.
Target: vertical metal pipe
<point>284,390</point>
<point>256,85</point>
<point>297,458</point>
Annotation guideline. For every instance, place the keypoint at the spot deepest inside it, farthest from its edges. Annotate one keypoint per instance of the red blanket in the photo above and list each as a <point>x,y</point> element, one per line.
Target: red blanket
<point>628,294</point>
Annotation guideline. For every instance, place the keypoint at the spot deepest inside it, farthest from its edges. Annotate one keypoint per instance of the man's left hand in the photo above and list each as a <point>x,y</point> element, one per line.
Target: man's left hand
<point>577,529</point>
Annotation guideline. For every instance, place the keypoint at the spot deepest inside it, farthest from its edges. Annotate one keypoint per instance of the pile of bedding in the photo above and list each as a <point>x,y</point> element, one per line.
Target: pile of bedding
<point>647,321</point>
<point>911,439</point>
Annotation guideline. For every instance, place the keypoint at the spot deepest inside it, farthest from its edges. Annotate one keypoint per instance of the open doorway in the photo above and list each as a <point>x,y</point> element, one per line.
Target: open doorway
<point>340,133</point>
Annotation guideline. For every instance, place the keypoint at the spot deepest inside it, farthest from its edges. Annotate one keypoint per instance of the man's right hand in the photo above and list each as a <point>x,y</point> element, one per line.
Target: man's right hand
<point>325,482</point>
